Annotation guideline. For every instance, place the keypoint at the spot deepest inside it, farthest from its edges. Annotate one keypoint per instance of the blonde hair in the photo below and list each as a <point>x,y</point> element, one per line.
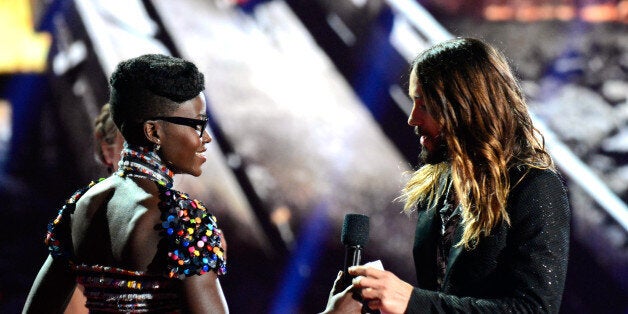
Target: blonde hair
<point>105,130</point>
<point>469,89</point>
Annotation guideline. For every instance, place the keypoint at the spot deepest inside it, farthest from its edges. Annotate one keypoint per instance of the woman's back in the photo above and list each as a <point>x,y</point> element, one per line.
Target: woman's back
<point>114,224</point>
<point>136,245</point>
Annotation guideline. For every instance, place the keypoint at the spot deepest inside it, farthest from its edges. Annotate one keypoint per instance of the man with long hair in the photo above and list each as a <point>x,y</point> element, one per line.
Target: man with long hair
<point>493,216</point>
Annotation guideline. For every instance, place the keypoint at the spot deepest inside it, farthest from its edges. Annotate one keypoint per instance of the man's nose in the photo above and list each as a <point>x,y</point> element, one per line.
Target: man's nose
<point>414,119</point>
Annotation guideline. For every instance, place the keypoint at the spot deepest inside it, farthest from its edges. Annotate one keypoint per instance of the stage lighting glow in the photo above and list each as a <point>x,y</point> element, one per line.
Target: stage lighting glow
<point>23,50</point>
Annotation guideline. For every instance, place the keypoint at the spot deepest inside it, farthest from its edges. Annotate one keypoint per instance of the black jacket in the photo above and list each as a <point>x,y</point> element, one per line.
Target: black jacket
<point>519,268</point>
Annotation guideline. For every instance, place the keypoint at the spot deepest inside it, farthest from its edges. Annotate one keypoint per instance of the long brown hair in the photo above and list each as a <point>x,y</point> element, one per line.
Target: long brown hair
<point>469,89</point>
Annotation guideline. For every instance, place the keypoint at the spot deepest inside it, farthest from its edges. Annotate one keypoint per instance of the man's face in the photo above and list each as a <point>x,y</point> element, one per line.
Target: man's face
<point>433,146</point>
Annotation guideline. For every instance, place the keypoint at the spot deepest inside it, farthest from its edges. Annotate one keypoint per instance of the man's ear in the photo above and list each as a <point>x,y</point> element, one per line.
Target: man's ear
<point>151,131</point>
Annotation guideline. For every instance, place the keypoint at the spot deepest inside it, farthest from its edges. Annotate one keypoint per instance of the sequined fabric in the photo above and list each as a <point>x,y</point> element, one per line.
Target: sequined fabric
<point>110,289</point>
<point>194,241</point>
<point>189,233</point>
<point>518,268</point>
<point>58,233</point>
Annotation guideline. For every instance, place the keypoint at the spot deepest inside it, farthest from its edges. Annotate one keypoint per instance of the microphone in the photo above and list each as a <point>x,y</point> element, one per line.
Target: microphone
<point>355,235</point>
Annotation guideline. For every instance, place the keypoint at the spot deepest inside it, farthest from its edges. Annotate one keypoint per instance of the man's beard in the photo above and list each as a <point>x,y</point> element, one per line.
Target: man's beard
<point>438,155</point>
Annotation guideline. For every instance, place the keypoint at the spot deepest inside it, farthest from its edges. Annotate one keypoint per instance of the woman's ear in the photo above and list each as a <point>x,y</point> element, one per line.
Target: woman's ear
<point>107,153</point>
<point>151,131</point>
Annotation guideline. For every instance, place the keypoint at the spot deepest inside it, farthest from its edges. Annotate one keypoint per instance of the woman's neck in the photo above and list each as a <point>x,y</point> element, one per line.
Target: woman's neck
<point>141,162</point>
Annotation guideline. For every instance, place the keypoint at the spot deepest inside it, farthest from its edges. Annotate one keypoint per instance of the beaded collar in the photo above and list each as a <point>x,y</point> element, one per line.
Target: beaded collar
<point>140,162</point>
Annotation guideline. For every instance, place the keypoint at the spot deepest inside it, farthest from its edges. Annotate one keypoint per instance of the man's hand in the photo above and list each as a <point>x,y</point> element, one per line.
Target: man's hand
<point>381,290</point>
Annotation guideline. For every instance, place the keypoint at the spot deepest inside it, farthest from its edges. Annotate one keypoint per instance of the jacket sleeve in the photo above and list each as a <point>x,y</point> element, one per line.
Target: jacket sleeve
<point>535,266</point>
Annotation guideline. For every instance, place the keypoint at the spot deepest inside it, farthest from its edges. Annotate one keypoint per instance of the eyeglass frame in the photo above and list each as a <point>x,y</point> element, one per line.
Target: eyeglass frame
<point>193,123</point>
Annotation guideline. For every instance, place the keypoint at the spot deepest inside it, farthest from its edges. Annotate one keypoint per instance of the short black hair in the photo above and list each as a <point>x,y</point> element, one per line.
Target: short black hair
<point>148,86</point>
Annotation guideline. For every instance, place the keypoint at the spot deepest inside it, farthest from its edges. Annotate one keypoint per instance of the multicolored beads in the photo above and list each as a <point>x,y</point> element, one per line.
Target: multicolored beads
<point>141,162</point>
<point>97,276</point>
<point>194,246</point>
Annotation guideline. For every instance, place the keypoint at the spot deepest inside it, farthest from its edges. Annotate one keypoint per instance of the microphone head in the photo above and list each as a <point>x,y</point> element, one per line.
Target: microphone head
<point>355,230</point>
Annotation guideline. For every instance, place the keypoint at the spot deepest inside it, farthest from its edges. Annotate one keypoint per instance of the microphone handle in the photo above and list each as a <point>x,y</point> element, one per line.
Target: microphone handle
<point>353,257</point>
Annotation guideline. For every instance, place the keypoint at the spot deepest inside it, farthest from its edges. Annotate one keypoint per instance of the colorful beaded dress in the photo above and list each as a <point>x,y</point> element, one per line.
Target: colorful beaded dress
<point>188,232</point>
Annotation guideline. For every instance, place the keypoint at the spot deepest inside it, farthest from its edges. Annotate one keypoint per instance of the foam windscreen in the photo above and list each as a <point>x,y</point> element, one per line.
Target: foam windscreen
<point>355,230</point>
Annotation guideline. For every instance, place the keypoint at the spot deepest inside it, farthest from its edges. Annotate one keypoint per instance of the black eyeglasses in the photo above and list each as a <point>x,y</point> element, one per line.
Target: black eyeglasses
<point>198,125</point>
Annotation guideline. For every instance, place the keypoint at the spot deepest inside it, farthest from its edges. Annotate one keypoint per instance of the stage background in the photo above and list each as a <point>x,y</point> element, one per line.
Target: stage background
<point>308,108</point>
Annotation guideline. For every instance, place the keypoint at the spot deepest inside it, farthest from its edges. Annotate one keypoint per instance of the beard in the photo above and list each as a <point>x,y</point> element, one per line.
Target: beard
<point>435,156</point>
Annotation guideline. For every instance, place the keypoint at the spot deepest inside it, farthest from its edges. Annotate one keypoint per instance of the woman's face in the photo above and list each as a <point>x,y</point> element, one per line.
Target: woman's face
<point>111,152</point>
<point>182,149</point>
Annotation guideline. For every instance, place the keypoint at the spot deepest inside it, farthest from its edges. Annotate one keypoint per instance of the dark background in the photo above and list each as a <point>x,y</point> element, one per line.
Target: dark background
<point>272,155</point>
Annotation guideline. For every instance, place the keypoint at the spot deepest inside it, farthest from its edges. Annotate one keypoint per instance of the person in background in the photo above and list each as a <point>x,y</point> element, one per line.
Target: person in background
<point>492,233</point>
<point>132,241</point>
<point>108,140</point>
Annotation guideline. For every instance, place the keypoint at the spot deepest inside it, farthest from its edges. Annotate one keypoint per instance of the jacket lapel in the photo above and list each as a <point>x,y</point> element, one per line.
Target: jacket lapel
<point>425,226</point>
<point>424,252</point>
